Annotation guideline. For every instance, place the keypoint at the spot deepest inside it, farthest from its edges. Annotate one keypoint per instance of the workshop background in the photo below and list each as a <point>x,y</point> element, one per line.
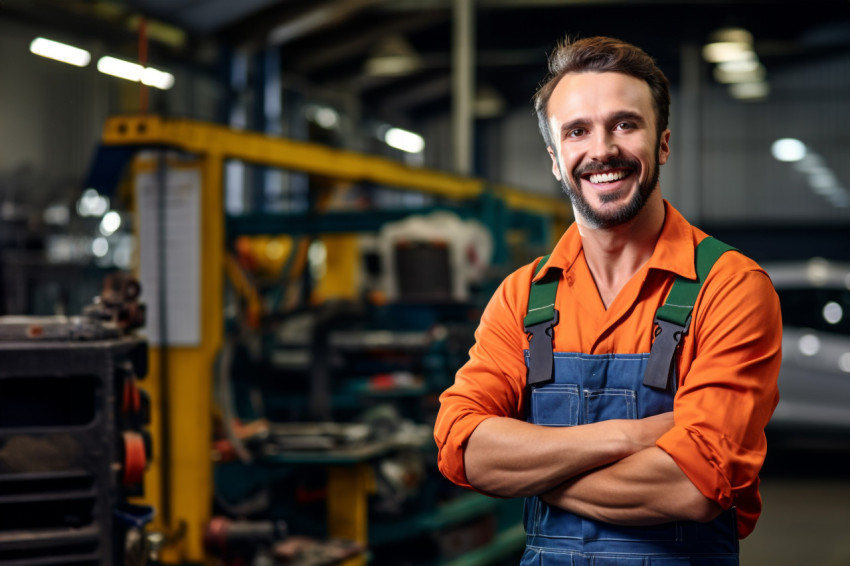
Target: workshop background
<point>244,247</point>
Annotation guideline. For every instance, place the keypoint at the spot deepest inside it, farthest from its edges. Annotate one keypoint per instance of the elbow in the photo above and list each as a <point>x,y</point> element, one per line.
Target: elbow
<point>700,509</point>
<point>492,484</point>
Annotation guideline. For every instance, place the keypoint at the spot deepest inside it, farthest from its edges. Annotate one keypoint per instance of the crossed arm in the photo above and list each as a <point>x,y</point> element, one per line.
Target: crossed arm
<point>610,471</point>
<point>613,470</point>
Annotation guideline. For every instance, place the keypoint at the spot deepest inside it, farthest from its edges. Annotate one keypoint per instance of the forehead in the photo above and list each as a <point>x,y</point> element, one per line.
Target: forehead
<point>588,95</point>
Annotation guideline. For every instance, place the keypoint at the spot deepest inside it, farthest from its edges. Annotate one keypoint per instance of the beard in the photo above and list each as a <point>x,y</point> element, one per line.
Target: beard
<point>622,214</point>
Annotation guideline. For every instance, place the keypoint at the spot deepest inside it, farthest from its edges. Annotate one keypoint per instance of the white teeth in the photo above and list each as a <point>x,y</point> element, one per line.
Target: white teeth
<point>607,177</point>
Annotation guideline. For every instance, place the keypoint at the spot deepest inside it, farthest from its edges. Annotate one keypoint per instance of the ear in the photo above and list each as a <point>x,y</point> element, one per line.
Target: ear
<point>556,169</point>
<point>664,147</point>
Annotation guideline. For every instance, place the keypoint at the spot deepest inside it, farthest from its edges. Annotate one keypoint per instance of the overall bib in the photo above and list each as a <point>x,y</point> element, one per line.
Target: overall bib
<point>582,389</point>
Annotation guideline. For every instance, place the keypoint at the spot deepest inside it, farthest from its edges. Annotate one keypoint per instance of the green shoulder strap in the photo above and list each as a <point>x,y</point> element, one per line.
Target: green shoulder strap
<point>673,318</point>
<point>539,323</point>
<point>541,298</point>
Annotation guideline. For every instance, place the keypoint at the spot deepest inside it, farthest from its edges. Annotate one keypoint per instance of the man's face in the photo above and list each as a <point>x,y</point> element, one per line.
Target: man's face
<point>607,153</point>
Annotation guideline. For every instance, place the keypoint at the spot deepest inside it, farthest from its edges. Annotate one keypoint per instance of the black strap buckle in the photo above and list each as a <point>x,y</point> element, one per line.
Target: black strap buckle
<point>540,356</point>
<point>661,373</point>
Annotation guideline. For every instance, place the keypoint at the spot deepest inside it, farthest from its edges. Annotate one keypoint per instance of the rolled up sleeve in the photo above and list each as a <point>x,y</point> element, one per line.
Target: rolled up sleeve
<point>728,388</point>
<point>491,382</point>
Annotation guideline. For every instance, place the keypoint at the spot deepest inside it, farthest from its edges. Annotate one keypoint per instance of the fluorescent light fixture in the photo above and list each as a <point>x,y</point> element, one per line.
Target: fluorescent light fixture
<point>391,57</point>
<point>740,71</point>
<point>748,64</point>
<point>157,79</point>
<point>738,35</point>
<point>134,72</point>
<point>110,222</point>
<point>822,180</point>
<point>404,140</point>
<point>327,117</point>
<point>749,91</point>
<point>748,74</point>
<point>324,116</point>
<point>60,52</point>
<point>120,68</point>
<point>390,66</point>
<point>788,150</point>
<point>723,51</point>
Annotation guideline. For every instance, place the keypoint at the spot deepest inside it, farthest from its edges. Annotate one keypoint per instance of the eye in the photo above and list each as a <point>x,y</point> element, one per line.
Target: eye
<point>576,132</point>
<point>624,126</point>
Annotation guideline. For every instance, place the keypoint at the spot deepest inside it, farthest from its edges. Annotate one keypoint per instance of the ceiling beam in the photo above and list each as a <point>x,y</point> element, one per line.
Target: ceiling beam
<point>355,44</point>
<point>283,24</point>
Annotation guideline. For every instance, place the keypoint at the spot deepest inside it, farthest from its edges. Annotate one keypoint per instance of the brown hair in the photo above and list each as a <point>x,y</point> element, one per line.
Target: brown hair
<point>602,55</point>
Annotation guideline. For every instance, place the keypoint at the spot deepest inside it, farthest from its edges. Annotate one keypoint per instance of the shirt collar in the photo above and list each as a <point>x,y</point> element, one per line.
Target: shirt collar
<point>674,250</point>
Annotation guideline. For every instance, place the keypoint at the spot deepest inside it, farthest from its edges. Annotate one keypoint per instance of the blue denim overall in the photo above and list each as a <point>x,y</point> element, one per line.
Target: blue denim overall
<point>592,388</point>
<point>585,389</point>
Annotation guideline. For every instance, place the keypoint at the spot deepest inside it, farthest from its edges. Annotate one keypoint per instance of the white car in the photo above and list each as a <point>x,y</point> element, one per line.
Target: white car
<point>814,382</point>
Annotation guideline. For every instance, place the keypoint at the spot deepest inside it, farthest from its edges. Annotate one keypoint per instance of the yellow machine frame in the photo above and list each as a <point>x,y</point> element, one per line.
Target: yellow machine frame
<point>192,368</point>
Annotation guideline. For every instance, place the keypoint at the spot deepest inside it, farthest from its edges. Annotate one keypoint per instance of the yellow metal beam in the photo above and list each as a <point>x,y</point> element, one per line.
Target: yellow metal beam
<point>202,138</point>
<point>191,368</point>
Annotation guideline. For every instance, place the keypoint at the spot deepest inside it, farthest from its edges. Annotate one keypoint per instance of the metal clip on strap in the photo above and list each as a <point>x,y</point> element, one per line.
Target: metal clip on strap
<point>540,357</point>
<point>660,369</point>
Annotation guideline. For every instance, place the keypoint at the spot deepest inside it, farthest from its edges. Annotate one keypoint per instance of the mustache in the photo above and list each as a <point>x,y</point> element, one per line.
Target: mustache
<point>613,163</point>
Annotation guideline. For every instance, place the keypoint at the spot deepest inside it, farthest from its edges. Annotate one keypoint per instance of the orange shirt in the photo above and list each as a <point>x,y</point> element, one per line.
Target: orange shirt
<point>728,362</point>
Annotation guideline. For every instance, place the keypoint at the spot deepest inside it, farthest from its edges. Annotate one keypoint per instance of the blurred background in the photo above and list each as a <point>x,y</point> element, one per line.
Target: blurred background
<point>244,246</point>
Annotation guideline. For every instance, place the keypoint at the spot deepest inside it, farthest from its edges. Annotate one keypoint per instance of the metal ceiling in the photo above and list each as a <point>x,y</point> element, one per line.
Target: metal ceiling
<point>326,43</point>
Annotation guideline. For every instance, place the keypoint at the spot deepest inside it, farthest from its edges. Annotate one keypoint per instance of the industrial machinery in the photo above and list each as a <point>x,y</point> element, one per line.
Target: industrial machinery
<point>73,441</point>
<point>290,384</point>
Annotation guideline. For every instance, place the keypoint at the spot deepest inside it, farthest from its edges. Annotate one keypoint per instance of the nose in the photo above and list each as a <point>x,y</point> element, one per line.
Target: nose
<point>604,147</point>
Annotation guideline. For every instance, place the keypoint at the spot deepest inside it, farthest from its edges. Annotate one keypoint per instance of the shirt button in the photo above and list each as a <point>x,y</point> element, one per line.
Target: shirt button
<point>571,278</point>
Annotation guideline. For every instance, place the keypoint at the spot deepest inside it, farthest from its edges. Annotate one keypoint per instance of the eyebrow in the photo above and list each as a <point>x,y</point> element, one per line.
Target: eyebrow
<point>616,117</point>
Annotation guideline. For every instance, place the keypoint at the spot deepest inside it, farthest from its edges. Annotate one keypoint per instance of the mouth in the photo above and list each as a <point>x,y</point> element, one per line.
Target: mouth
<point>607,177</point>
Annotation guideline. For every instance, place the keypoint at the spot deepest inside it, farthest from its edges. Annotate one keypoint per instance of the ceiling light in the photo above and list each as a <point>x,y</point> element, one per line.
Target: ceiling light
<point>739,72</point>
<point>157,79</point>
<point>404,140</point>
<point>729,44</point>
<point>60,52</point>
<point>324,116</point>
<point>120,68</point>
<point>736,35</point>
<point>749,91</point>
<point>110,222</point>
<point>130,71</point>
<point>788,149</point>
<point>748,63</point>
<point>726,51</point>
<point>488,102</point>
<point>392,56</point>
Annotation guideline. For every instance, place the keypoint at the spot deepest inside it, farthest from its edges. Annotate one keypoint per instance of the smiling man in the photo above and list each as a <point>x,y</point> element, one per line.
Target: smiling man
<point>622,383</point>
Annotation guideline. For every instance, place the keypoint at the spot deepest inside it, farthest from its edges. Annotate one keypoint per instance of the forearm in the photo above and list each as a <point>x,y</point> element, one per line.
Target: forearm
<point>513,458</point>
<point>646,488</point>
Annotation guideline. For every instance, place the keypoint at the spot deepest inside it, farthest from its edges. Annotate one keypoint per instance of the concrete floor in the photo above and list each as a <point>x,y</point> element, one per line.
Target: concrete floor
<point>806,515</point>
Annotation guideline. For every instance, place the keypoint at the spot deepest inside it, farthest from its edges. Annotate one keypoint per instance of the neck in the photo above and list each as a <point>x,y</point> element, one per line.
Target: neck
<point>615,254</point>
